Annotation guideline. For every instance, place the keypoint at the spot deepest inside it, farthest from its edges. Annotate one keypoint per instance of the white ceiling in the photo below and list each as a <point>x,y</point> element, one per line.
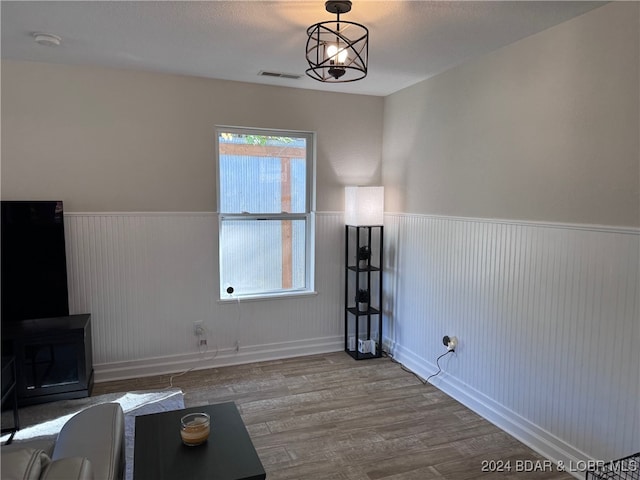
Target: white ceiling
<point>234,40</point>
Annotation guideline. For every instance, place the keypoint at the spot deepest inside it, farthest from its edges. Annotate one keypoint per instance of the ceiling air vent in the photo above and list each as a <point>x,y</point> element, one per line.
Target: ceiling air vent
<point>291,76</point>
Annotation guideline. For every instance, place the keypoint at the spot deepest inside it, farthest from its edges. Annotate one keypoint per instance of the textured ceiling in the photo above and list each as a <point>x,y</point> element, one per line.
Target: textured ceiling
<point>235,40</point>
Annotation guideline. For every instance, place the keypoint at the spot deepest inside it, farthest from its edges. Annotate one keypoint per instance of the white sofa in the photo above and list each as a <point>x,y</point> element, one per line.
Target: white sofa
<point>90,446</point>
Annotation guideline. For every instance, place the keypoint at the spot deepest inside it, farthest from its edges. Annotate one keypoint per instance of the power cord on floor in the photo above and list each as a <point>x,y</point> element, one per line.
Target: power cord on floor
<point>202,357</point>
<point>438,364</point>
<point>230,291</point>
<point>422,380</point>
<point>390,357</point>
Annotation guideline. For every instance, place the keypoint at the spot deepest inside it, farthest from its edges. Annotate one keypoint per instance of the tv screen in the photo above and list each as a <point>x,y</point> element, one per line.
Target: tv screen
<point>34,266</point>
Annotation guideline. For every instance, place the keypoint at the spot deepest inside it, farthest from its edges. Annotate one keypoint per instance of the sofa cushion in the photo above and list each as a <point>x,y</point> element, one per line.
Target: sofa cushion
<point>97,434</point>
<point>42,443</point>
<point>74,468</point>
<point>24,464</point>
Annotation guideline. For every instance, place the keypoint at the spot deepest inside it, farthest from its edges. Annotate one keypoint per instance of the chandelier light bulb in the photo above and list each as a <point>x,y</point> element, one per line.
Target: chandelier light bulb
<point>342,55</point>
<point>337,54</point>
<point>331,52</point>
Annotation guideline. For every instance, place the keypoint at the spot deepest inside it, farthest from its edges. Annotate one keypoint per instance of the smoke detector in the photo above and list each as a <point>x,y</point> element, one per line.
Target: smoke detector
<point>47,39</point>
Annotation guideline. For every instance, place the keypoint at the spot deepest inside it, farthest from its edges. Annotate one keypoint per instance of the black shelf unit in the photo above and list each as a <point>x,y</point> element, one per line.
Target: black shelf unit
<point>363,327</point>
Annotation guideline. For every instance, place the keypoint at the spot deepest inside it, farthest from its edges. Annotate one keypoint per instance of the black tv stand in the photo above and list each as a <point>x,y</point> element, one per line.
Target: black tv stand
<point>53,357</point>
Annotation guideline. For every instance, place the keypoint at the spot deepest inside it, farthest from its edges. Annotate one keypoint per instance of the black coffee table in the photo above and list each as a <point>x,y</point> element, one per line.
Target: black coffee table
<point>228,454</point>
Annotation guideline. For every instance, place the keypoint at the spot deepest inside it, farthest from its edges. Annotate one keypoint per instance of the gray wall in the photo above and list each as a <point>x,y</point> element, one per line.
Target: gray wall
<point>544,129</point>
<point>512,223</point>
<point>132,156</point>
<point>116,140</point>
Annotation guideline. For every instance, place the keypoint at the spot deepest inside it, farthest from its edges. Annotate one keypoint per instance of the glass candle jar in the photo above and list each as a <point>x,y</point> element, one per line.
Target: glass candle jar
<point>194,428</point>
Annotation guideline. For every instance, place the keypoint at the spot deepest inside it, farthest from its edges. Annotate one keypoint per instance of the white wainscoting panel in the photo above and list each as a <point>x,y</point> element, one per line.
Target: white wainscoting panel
<point>146,277</point>
<point>548,321</point>
<point>547,316</point>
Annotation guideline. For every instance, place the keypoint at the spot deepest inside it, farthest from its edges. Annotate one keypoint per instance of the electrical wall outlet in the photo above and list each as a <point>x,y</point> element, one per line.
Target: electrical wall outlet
<point>450,342</point>
<point>198,328</point>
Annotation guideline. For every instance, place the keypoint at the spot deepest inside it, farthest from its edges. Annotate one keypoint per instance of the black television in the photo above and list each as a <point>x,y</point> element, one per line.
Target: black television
<point>34,264</point>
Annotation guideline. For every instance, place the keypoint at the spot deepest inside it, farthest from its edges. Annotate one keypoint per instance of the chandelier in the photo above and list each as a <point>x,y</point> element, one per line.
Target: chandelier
<point>337,51</point>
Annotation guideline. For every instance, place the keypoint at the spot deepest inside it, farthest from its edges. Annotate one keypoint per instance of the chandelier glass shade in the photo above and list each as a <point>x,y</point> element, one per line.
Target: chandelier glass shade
<point>337,51</point>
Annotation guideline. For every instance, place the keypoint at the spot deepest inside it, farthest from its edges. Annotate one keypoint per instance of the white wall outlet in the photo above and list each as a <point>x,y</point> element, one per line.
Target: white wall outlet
<point>351,344</point>
<point>453,343</point>
<point>198,328</point>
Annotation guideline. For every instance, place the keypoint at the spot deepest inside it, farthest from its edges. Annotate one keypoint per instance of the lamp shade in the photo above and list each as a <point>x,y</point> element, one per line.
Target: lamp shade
<point>364,206</point>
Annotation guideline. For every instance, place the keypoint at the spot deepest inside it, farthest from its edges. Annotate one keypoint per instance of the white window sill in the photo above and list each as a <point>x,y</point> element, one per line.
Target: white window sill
<point>267,296</point>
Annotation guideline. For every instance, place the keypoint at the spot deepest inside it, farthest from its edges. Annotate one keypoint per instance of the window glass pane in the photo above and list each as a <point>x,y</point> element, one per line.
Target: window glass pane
<point>261,256</point>
<point>262,173</point>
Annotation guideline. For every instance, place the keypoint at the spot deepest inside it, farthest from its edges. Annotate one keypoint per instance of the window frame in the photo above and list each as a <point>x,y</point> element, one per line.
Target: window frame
<point>308,215</point>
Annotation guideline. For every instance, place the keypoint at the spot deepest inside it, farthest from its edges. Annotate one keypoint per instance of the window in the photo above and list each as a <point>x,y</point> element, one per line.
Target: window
<point>265,192</point>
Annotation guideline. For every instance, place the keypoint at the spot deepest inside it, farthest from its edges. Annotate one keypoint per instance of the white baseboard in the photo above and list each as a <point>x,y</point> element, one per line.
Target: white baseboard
<point>559,452</point>
<point>106,372</point>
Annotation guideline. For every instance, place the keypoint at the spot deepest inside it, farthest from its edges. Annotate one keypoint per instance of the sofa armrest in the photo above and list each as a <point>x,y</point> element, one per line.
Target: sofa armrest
<point>72,468</point>
<point>96,433</point>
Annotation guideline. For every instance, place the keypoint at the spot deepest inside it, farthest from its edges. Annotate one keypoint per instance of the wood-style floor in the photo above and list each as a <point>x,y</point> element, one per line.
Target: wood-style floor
<point>329,417</point>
